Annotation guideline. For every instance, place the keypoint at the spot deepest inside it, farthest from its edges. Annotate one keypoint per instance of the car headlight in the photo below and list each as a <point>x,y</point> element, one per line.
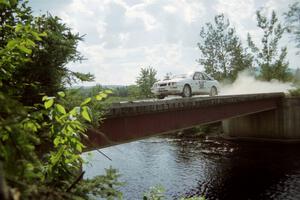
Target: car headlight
<point>171,84</point>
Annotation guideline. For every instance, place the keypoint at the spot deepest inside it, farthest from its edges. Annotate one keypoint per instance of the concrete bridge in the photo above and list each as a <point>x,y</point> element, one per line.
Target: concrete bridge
<point>126,122</point>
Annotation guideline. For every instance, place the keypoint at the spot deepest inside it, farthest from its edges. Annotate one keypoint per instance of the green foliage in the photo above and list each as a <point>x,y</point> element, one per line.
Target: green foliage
<point>64,128</point>
<point>193,198</point>
<point>292,19</point>
<point>40,145</point>
<point>52,148</point>
<point>297,77</point>
<point>121,91</point>
<point>81,96</point>
<point>145,81</point>
<point>77,95</point>
<point>18,129</point>
<point>50,47</point>
<point>271,63</point>
<point>155,193</point>
<point>295,92</point>
<point>134,91</point>
<point>222,54</point>
<point>126,91</point>
<point>101,186</point>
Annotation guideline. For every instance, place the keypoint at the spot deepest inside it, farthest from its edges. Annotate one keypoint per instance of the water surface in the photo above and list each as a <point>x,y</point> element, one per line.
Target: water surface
<point>214,168</point>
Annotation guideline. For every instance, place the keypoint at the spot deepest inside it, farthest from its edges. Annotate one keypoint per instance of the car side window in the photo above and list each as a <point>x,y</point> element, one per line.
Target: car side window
<point>201,77</point>
<point>206,77</point>
<point>197,76</point>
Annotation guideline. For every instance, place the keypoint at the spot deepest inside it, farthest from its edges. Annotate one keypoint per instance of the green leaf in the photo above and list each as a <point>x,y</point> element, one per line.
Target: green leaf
<point>13,2</point>
<point>55,158</point>
<point>60,108</point>
<point>101,96</point>
<point>5,137</point>
<point>5,2</point>
<point>61,94</point>
<point>11,44</point>
<point>30,43</point>
<point>48,103</point>
<point>108,91</point>
<point>24,49</point>
<point>56,141</point>
<point>86,101</point>
<point>43,34</point>
<point>8,128</point>
<point>36,36</point>
<point>18,27</point>
<point>75,111</point>
<point>29,167</point>
<point>9,26</point>
<point>31,126</point>
<point>44,98</point>
<point>104,95</point>
<point>79,147</point>
<point>85,114</point>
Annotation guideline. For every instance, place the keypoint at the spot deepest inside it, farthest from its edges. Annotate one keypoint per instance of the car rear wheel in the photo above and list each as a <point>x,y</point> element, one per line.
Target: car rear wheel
<point>213,91</point>
<point>161,96</point>
<point>186,92</point>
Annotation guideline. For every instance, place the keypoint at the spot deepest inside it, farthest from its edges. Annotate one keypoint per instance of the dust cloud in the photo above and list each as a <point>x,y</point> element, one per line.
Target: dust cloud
<point>247,84</point>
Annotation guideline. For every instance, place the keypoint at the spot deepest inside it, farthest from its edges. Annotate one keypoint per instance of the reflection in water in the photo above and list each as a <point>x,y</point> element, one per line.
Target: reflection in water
<point>217,169</point>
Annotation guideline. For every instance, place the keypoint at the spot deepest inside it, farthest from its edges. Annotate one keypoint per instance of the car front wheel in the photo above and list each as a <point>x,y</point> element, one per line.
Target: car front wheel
<point>186,92</point>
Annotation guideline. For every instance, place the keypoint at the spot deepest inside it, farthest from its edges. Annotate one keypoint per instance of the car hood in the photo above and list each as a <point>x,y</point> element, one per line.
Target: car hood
<point>171,80</point>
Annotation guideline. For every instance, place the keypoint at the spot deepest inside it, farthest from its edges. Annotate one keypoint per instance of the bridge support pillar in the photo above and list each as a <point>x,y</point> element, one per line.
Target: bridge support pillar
<point>282,123</point>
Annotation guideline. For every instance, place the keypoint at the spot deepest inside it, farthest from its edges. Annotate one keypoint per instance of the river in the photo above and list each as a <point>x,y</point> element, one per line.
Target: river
<point>214,168</point>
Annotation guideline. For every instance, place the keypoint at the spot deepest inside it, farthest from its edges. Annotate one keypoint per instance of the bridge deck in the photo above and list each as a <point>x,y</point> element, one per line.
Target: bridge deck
<point>131,121</point>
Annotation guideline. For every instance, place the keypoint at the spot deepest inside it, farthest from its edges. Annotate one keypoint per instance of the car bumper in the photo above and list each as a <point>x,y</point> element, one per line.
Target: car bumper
<point>167,90</point>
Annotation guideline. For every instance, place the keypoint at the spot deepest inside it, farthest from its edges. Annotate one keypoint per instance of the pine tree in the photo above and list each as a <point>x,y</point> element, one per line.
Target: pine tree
<point>297,77</point>
<point>292,19</point>
<point>271,63</point>
<point>146,80</point>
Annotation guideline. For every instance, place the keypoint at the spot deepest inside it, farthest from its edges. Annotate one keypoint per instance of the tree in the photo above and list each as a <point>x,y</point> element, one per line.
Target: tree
<point>222,54</point>
<point>297,77</point>
<point>146,80</point>
<point>121,91</point>
<point>292,19</point>
<point>46,72</point>
<point>271,63</point>
<point>54,52</point>
<point>133,91</point>
<point>40,145</point>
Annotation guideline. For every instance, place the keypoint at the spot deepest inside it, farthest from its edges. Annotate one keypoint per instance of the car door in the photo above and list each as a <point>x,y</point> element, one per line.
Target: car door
<point>194,83</point>
<point>202,84</point>
<point>199,83</point>
<point>208,83</point>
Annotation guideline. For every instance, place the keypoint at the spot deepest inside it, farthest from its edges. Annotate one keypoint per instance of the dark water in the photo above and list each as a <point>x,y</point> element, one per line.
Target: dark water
<point>216,169</point>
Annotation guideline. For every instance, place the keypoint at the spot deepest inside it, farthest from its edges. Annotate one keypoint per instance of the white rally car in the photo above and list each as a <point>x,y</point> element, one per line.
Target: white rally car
<point>186,85</point>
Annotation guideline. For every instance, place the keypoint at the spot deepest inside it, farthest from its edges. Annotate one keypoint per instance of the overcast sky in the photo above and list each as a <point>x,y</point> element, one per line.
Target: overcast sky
<point>121,36</point>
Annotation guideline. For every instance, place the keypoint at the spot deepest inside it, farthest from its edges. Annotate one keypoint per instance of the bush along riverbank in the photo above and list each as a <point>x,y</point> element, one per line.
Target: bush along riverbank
<point>201,131</point>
